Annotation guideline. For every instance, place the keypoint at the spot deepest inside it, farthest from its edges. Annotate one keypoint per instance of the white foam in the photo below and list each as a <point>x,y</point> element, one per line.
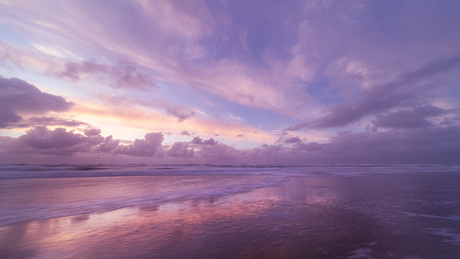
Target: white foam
<point>452,236</point>
<point>362,252</point>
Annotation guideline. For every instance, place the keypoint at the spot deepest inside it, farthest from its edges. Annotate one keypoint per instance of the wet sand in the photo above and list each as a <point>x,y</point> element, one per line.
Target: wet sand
<point>375,216</point>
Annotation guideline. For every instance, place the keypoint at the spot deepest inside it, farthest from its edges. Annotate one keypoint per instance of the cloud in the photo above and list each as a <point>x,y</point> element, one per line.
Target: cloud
<point>48,121</point>
<point>142,147</point>
<point>417,117</point>
<point>181,150</point>
<point>42,140</point>
<point>200,141</point>
<point>292,140</point>
<point>121,75</point>
<point>180,115</point>
<point>199,149</point>
<point>92,132</point>
<point>197,140</point>
<point>17,97</point>
<point>419,145</point>
<point>402,91</point>
<point>218,153</point>
<point>60,141</point>
<point>404,145</point>
<point>107,146</point>
<point>313,65</point>
<point>209,142</point>
<point>185,133</point>
<point>264,55</point>
<point>432,145</point>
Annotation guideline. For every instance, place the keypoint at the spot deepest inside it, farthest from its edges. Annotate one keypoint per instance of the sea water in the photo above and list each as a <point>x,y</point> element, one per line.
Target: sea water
<point>229,211</point>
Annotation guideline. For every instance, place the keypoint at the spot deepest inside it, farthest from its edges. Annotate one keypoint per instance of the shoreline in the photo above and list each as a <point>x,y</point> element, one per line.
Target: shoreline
<point>299,218</point>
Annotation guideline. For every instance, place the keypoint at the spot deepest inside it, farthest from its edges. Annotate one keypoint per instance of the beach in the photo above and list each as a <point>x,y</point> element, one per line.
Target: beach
<point>266,214</point>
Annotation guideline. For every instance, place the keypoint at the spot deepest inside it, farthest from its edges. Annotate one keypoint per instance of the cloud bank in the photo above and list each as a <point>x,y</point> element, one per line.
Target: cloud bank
<point>433,145</point>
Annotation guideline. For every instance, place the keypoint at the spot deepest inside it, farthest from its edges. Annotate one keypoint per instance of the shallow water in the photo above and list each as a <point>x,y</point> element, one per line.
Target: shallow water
<point>273,213</point>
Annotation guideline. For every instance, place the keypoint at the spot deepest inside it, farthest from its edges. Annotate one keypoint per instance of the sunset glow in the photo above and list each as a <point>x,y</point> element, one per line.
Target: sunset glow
<point>230,81</point>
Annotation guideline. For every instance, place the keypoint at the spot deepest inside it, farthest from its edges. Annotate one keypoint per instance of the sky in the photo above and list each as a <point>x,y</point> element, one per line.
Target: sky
<point>230,82</point>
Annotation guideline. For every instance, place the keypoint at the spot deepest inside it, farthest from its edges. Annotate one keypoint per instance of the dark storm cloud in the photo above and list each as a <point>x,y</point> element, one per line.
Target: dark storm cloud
<point>17,97</point>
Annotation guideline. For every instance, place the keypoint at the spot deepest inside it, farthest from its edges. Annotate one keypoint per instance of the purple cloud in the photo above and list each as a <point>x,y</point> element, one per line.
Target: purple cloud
<point>142,147</point>
<point>180,115</point>
<point>200,141</point>
<point>202,150</point>
<point>18,97</point>
<point>417,117</point>
<point>121,75</point>
<point>425,145</point>
<point>405,145</point>
<point>59,141</point>
<point>92,132</point>
<point>197,140</point>
<point>218,153</point>
<point>185,133</point>
<point>390,66</point>
<point>180,150</point>
<point>48,121</point>
<point>210,142</point>
<point>292,140</point>
<point>432,145</point>
<point>405,89</point>
<point>107,146</point>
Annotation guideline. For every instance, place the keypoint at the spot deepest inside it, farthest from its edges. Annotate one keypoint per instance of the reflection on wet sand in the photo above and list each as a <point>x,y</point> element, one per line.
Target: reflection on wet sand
<point>363,217</point>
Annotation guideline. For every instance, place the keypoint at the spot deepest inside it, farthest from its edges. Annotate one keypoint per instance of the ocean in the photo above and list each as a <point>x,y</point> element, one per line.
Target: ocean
<point>229,211</point>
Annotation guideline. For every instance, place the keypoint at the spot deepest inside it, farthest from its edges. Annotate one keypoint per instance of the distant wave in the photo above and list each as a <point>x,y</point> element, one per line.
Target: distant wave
<point>14,171</point>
